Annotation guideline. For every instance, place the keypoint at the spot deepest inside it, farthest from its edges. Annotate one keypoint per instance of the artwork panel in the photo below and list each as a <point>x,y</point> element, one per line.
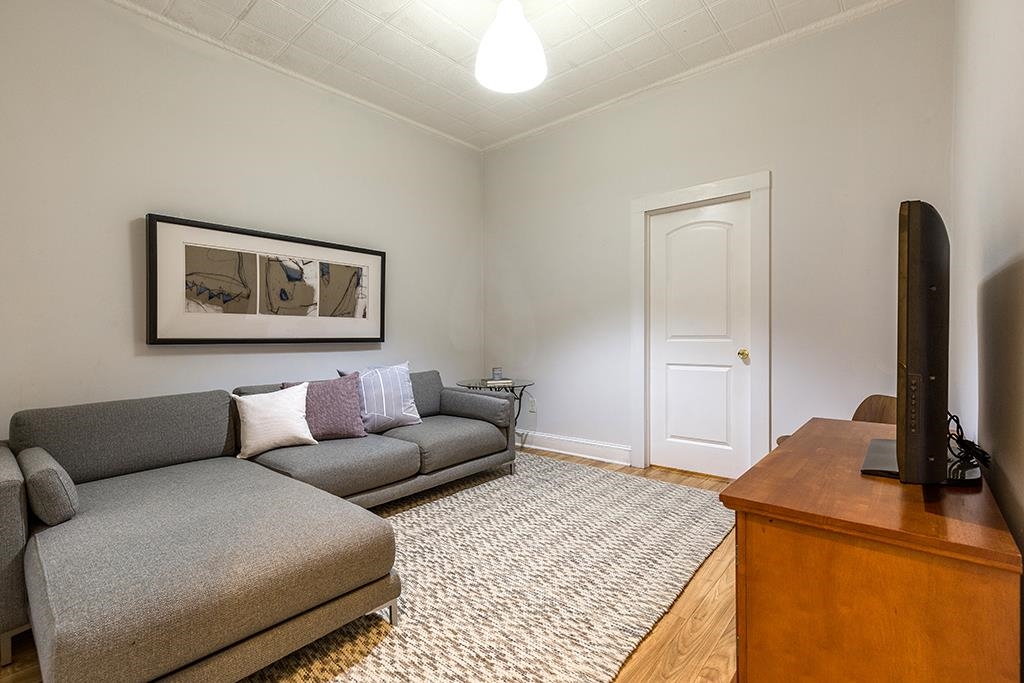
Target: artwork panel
<point>343,290</point>
<point>247,286</point>
<point>288,286</point>
<point>219,280</point>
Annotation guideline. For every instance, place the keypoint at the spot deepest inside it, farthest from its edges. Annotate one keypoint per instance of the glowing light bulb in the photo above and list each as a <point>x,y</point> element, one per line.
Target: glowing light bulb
<point>511,58</point>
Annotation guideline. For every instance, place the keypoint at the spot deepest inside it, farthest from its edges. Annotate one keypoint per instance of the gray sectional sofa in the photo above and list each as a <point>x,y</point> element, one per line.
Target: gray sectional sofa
<point>186,563</point>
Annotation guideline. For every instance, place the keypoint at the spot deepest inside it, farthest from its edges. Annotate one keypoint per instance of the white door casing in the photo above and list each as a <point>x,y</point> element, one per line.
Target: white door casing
<point>701,425</point>
<point>698,319</point>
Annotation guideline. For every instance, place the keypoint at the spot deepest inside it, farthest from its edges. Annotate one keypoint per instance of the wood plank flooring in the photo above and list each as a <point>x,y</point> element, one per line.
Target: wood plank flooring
<point>694,641</point>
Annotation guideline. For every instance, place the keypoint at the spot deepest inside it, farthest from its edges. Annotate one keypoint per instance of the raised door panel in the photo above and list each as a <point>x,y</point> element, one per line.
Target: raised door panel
<point>697,403</point>
<point>697,290</point>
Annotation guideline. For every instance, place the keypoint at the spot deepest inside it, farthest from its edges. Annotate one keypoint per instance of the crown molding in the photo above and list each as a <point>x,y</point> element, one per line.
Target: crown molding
<point>811,29</point>
<point>142,11</point>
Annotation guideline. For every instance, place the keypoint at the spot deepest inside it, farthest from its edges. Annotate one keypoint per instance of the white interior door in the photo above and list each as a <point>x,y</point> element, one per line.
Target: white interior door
<point>699,338</point>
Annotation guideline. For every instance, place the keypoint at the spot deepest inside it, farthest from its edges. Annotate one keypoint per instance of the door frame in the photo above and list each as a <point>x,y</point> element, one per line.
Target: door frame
<point>757,187</point>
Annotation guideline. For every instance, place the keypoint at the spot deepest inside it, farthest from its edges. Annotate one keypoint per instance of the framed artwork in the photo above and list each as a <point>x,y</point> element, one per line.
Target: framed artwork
<point>216,284</point>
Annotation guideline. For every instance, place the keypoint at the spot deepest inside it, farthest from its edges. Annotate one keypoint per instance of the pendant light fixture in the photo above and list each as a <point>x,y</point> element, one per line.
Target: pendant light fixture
<point>511,58</point>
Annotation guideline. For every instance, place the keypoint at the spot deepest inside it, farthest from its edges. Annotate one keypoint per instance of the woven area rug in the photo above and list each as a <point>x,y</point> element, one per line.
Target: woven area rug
<point>553,574</point>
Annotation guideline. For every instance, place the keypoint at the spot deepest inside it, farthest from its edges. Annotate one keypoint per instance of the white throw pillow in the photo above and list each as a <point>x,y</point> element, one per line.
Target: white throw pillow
<point>273,420</point>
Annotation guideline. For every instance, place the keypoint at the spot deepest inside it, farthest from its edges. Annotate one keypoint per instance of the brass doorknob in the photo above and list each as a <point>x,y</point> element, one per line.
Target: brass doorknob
<point>744,355</point>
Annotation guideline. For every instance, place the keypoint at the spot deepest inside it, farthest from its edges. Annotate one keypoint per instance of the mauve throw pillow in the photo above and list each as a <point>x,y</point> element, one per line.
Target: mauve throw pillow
<point>332,408</point>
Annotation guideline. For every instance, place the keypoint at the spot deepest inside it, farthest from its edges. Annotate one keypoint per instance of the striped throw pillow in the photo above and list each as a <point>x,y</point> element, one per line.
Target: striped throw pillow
<point>387,400</point>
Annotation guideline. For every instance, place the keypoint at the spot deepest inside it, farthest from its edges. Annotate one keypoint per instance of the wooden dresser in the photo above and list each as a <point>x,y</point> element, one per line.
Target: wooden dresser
<point>843,577</point>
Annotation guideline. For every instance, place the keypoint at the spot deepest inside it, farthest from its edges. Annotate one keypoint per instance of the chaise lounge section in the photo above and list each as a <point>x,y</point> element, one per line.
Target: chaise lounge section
<point>183,562</point>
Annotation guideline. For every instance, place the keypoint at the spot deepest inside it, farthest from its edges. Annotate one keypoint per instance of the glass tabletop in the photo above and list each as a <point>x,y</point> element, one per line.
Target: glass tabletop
<point>508,382</point>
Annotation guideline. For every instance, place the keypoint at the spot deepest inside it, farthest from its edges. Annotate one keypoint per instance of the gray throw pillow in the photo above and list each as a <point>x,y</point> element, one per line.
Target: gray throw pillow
<point>387,399</point>
<point>51,493</point>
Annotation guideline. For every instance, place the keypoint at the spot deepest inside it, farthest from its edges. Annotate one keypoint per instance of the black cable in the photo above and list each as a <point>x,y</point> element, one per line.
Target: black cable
<point>967,453</point>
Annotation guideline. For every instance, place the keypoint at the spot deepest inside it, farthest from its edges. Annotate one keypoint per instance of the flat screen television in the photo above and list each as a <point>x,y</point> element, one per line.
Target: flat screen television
<point>919,453</point>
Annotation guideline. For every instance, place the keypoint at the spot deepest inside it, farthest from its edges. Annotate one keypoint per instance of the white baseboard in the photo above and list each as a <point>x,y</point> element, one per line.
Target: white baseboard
<point>572,445</point>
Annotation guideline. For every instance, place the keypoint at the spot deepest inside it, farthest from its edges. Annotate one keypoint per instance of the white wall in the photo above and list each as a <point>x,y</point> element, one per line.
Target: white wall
<point>850,121</point>
<point>105,116</point>
<point>987,235</point>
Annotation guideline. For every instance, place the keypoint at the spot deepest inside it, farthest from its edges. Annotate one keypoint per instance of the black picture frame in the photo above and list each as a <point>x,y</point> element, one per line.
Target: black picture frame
<point>153,264</point>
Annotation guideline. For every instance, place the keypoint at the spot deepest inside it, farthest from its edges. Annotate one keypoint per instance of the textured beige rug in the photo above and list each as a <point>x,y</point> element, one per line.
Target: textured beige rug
<point>553,574</point>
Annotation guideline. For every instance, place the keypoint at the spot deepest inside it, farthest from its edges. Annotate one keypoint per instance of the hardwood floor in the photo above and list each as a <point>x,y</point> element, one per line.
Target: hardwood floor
<point>25,667</point>
<point>694,641</point>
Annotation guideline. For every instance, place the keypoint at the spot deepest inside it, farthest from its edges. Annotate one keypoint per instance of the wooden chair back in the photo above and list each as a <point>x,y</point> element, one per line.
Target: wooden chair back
<point>876,408</point>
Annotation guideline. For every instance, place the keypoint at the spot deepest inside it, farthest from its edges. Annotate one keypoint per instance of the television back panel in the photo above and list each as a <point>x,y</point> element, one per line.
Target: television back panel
<point>922,381</point>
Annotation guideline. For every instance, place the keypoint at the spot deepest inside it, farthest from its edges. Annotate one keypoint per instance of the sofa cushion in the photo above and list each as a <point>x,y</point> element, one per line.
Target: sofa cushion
<point>426,388</point>
<point>347,466</point>
<point>163,567</point>
<point>51,493</point>
<point>99,440</point>
<point>445,440</point>
<point>251,389</point>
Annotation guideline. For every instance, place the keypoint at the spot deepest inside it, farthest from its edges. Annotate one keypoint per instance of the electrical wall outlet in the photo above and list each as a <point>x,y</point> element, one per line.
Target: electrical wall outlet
<point>533,404</point>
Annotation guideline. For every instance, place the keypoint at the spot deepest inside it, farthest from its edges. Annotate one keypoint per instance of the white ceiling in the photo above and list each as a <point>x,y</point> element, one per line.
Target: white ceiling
<point>415,57</point>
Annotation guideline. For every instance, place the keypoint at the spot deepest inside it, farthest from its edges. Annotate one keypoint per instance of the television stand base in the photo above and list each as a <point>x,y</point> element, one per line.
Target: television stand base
<point>880,461</point>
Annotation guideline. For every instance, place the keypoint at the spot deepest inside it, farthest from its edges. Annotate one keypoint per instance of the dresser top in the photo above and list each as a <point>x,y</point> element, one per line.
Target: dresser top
<point>814,479</point>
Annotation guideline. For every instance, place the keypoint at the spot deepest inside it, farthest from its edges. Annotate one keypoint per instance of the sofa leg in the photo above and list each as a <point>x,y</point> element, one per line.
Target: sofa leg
<point>392,608</point>
<point>6,655</point>
<point>512,467</point>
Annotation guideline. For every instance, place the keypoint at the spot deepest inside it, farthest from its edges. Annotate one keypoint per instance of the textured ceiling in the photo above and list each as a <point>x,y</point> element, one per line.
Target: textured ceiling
<point>415,57</point>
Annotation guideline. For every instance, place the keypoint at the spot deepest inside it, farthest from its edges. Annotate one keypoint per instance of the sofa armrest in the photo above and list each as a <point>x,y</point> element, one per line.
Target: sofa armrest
<point>498,409</point>
<point>13,536</point>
